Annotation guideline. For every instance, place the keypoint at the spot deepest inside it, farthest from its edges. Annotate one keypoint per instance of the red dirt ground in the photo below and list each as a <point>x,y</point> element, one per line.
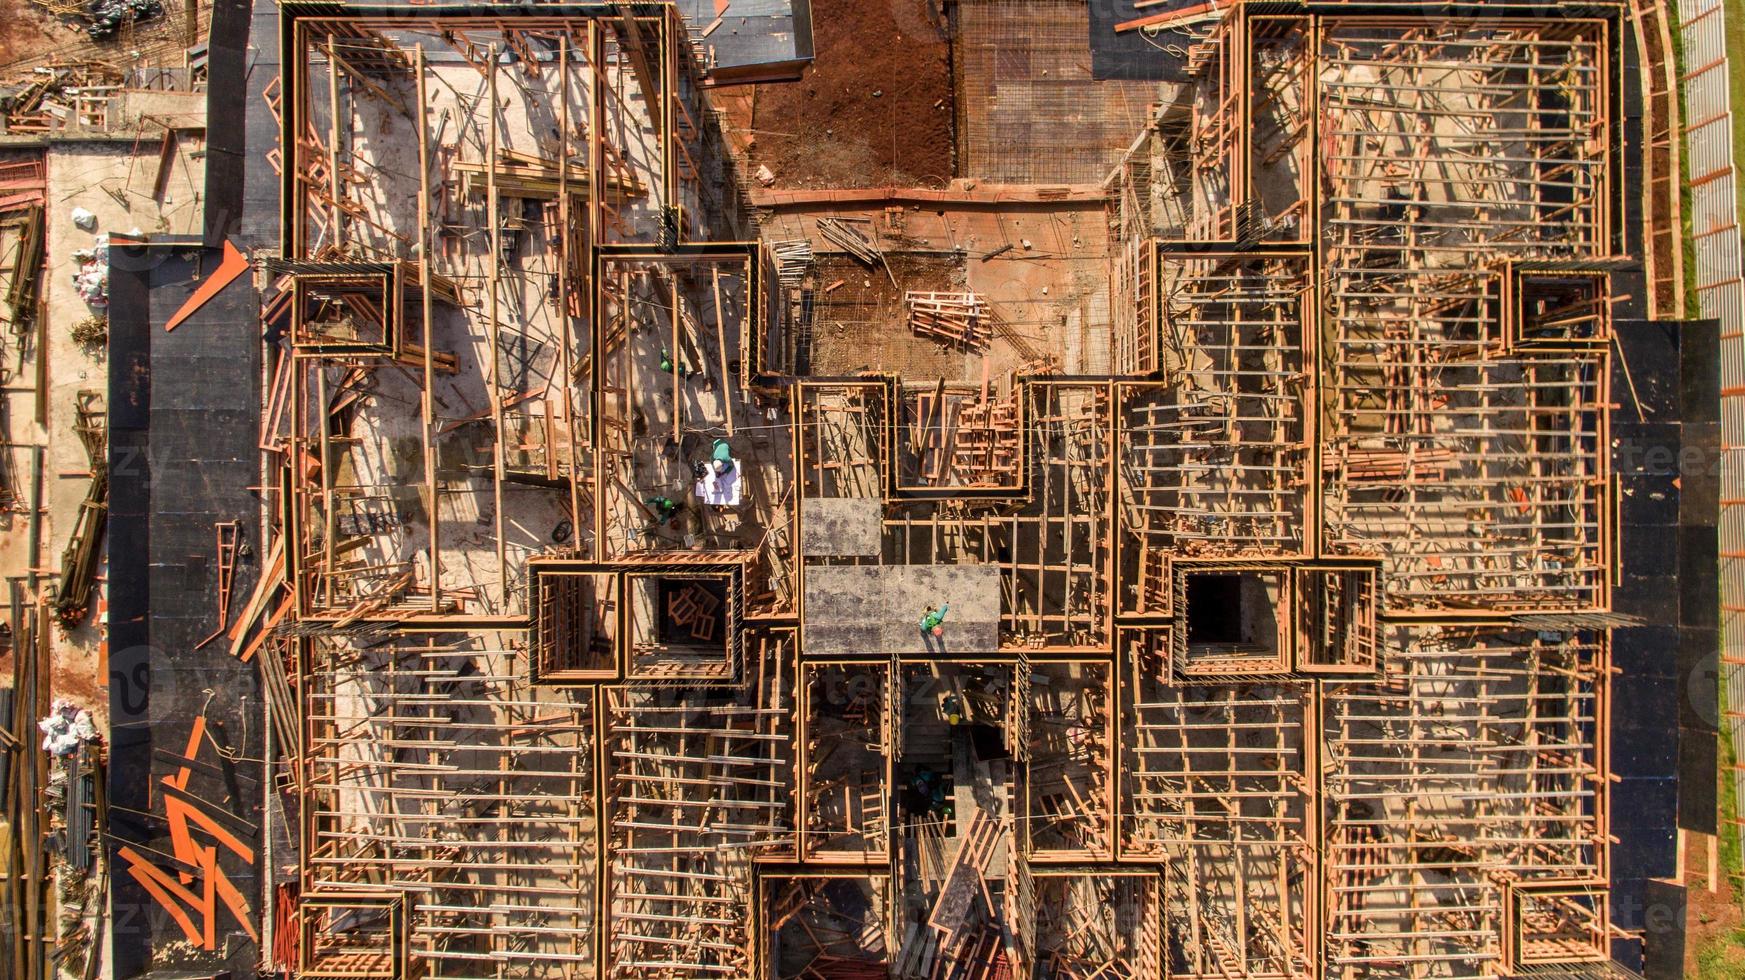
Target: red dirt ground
<point>26,30</point>
<point>830,130</point>
<point>1708,915</point>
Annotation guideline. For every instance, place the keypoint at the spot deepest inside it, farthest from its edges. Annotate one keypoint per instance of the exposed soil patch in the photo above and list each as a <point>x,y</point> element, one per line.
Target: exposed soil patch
<point>873,109</point>
<point>861,324</point>
<point>1712,919</point>
<point>31,37</point>
<point>27,30</point>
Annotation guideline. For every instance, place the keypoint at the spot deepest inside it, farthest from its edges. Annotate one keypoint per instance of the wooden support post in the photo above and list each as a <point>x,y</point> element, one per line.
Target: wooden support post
<point>335,190</point>
<point>677,372</point>
<point>427,406</point>
<point>493,276</point>
<point>727,385</point>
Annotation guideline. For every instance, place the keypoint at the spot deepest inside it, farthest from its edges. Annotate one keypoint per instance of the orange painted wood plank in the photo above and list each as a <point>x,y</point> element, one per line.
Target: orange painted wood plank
<point>235,264</point>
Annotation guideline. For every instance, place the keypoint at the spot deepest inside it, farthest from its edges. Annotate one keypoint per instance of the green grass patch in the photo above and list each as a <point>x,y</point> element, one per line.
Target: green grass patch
<point>1735,14</point>
<point>1732,863</point>
<point>1732,860</point>
<point>1723,956</point>
<point>1723,959</point>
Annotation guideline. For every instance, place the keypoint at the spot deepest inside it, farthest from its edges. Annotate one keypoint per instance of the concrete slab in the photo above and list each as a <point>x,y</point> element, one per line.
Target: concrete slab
<point>105,179</point>
<point>155,111</point>
<point>876,610</point>
<point>752,38</point>
<point>841,527</point>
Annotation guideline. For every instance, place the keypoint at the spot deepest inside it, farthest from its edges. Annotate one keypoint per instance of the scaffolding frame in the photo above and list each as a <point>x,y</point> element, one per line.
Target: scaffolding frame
<point>1360,317</point>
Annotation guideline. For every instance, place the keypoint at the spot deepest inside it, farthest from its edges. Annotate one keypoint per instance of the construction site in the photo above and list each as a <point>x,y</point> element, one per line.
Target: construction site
<point>563,502</point>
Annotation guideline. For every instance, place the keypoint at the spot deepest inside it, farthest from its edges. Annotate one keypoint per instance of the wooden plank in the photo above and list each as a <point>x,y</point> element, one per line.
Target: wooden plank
<point>1199,11</point>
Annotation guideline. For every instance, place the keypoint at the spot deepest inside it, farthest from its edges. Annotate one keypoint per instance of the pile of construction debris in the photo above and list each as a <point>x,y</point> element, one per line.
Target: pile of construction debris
<point>67,727</point>
<point>103,19</point>
<point>92,279</point>
<point>953,319</point>
<point>850,239</point>
<point>793,261</point>
<point>70,802</point>
<point>58,96</point>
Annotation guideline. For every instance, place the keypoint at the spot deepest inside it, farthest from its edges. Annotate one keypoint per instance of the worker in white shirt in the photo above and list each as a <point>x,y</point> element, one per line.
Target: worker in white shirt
<point>720,465</point>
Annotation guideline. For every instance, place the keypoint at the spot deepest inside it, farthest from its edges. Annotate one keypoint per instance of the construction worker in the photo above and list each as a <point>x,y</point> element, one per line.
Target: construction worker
<point>665,509</point>
<point>671,366</point>
<point>952,707</point>
<point>930,791</point>
<point>932,620</point>
<point>720,464</point>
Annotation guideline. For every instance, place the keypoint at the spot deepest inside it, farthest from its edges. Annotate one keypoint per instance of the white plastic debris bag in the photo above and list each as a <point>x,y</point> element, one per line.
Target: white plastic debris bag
<point>65,728</point>
<point>92,279</point>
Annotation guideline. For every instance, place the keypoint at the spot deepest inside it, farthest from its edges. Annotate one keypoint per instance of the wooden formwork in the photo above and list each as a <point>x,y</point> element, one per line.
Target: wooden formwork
<point>1425,877</point>
<point>453,800</point>
<point>844,814</point>
<point>1215,788</point>
<point>1069,798</point>
<point>1090,921</point>
<point>698,790</point>
<point>1361,402</point>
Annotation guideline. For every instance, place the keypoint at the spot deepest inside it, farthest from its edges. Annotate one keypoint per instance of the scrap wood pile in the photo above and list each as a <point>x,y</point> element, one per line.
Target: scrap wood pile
<point>852,240</point>
<point>954,319</point>
<point>694,609</point>
<point>23,189</point>
<point>58,96</point>
<point>528,175</point>
<point>793,260</point>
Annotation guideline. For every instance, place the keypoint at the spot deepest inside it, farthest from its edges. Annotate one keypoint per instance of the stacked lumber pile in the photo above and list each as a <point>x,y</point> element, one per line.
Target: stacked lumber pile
<point>985,446</point>
<point>954,319</point>
<point>1394,465</point>
<point>23,188</point>
<point>850,240</point>
<point>955,909</point>
<point>694,609</point>
<point>84,546</point>
<point>528,175</point>
<point>793,260</point>
<point>23,183</point>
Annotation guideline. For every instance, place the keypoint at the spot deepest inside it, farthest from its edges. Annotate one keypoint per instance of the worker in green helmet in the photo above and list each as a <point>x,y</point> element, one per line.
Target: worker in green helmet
<point>932,621</point>
<point>671,365</point>
<point>664,508</point>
